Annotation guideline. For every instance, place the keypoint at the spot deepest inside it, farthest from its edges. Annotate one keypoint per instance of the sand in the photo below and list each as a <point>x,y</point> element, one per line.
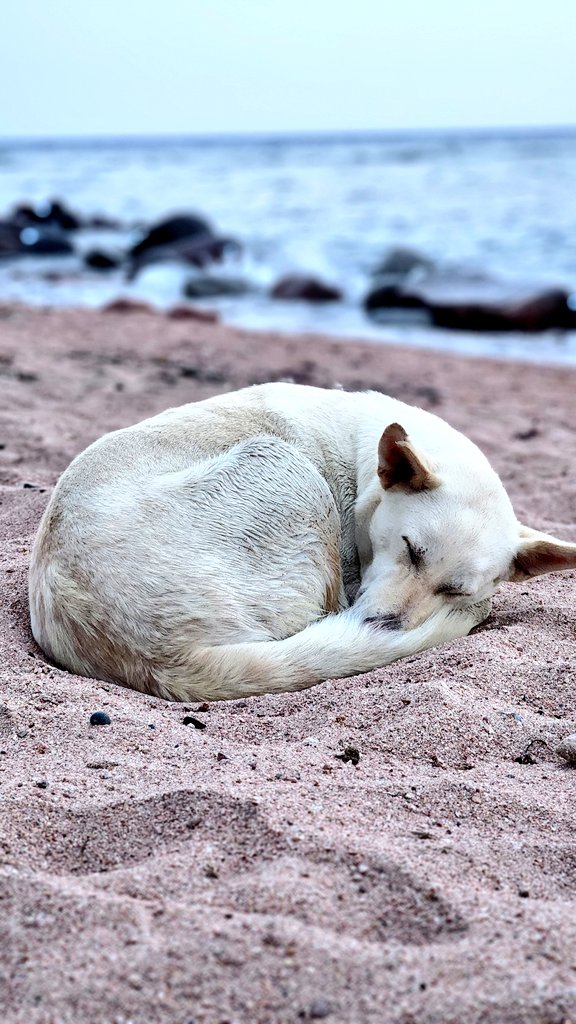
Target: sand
<point>246,872</point>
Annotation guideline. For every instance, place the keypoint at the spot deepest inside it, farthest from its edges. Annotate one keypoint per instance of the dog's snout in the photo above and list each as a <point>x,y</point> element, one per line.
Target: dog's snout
<point>385,621</point>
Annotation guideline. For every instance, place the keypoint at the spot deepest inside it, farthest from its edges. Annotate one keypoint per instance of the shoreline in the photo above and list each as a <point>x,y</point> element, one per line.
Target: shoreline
<point>244,871</point>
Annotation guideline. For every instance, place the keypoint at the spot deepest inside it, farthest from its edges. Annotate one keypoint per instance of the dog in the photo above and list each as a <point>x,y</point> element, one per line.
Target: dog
<point>265,540</point>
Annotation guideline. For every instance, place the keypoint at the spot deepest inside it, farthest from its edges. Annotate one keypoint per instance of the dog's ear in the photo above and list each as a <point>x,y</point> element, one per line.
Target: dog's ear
<point>400,465</point>
<point>539,553</point>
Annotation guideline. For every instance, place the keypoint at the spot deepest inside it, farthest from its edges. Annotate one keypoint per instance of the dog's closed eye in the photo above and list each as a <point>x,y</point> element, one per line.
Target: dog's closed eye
<point>451,590</point>
<point>416,555</point>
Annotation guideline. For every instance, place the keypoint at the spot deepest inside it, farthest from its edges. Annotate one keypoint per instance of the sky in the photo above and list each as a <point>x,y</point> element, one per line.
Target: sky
<point>115,67</point>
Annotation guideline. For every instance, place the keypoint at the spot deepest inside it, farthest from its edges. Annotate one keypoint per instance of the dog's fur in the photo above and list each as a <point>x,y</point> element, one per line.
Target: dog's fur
<point>266,540</point>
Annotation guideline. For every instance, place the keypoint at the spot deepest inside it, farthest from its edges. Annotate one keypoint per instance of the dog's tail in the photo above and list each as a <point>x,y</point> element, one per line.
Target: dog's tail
<point>336,646</point>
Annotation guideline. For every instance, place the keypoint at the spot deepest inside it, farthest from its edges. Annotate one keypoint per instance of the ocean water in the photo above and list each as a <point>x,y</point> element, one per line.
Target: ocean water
<point>502,203</point>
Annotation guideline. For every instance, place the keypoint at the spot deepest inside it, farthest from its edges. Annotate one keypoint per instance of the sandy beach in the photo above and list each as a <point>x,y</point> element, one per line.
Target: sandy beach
<point>250,872</point>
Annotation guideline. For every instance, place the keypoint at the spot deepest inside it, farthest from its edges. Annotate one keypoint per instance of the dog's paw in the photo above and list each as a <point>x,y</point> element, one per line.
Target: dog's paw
<point>482,610</point>
<point>473,614</point>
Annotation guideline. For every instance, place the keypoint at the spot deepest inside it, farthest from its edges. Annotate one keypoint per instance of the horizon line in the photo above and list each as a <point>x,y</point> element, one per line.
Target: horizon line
<point>289,135</point>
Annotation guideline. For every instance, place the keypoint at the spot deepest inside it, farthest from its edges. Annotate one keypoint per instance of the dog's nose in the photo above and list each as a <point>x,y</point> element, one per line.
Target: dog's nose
<point>384,621</point>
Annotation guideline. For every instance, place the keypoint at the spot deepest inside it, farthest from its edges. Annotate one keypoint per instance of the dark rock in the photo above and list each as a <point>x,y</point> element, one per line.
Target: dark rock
<point>503,309</point>
<point>39,238</point>
<point>42,784</point>
<point>477,303</point>
<point>196,252</point>
<point>9,239</point>
<point>38,241</point>
<point>391,296</point>
<point>305,287</point>
<point>170,230</point>
<point>184,237</point>
<point>100,718</point>
<point>209,316</point>
<point>400,262</point>
<point>51,214</point>
<point>190,720</point>
<point>127,306</point>
<point>98,260</point>
<point>209,287</point>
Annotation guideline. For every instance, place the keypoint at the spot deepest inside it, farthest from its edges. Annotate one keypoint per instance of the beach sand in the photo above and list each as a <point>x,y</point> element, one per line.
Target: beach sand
<point>243,873</point>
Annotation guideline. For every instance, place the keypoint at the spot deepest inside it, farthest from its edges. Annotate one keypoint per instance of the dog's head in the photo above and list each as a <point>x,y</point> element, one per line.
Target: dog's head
<point>442,530</point>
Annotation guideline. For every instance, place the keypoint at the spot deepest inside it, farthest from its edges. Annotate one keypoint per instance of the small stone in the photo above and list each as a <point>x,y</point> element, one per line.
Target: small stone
<point>319,1009</point>
<point>42,784</point>
<point>190,720</point>
<point>221,757</point>
<point>350,754</point>
<point>567,748</point>
<point>100,718</point>
<point>526,758</point>
<point>527,435</point>
<point>524,893</point>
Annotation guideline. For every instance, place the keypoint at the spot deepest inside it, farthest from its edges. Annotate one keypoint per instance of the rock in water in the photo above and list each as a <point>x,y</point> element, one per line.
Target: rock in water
<point>183,238</point>
<point>399,262</point>
<point>306,287</point>
<point>52,214</point>
<point>32,239</point>
<point>96,259</point>
<point>170,230</point>
<point>476,303</point>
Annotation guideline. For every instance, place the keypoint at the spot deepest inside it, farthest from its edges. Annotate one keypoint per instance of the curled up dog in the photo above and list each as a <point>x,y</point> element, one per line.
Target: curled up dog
<point>265,540</point>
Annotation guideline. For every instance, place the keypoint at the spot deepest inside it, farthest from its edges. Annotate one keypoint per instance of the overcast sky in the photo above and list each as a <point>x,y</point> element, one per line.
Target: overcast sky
<point>115,67</point>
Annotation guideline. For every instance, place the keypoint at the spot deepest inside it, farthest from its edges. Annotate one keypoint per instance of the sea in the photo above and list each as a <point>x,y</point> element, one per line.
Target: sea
<point>498,202</point>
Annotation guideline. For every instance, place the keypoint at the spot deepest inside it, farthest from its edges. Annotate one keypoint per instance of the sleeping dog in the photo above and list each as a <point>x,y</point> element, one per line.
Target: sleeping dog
<point>265,540</point>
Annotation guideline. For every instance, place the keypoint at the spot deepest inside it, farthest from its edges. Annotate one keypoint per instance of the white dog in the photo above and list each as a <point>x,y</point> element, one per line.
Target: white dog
<point>266,540</point>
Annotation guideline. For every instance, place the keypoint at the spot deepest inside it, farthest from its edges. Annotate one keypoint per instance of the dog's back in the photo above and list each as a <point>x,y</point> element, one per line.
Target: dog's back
<point>133,570</point>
